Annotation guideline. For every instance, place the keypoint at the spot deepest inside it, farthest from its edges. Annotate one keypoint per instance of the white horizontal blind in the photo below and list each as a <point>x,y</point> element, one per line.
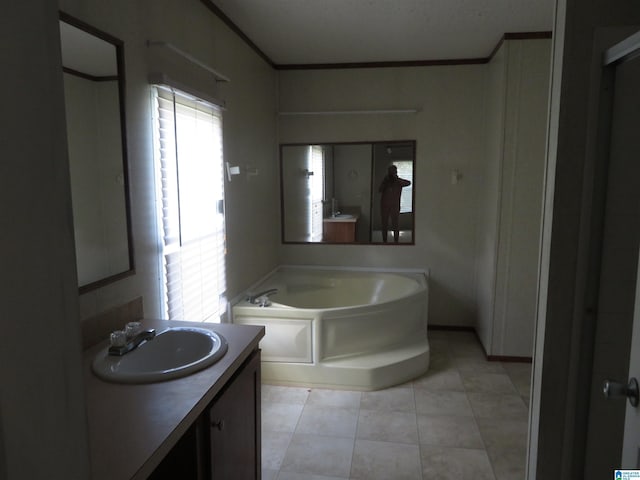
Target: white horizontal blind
<point>190,191</point>
<point>316,165</point>
<point>405,171</point>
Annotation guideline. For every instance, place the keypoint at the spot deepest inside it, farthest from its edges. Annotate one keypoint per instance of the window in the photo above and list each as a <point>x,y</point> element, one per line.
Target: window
<point>405,171</point>
<point>190,186</point>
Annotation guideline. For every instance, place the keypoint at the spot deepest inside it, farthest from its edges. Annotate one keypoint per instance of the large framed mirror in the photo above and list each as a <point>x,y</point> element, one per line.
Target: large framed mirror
<point>346,193</point>
<point>93,71</point>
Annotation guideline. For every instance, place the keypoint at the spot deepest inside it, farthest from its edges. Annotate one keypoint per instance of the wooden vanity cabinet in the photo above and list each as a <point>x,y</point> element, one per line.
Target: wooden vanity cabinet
<point>235,426</point>
<point>339,231</point>
<point>224,443</point>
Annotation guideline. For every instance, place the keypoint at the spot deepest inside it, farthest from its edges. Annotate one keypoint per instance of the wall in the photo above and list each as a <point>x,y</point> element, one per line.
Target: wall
<point>448,136</point>
<point>509,236</point>
<point>249,135</point>
<point>42,411</point>
<point>353,184</point>
<point>489,202</point>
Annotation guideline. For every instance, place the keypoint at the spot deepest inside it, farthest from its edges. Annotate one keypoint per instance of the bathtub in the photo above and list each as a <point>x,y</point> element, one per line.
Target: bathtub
<point>338,328</point>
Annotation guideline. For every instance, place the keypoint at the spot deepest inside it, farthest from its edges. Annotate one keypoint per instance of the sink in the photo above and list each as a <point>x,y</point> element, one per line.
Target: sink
<point>342,216</point>
<point>173,353</point>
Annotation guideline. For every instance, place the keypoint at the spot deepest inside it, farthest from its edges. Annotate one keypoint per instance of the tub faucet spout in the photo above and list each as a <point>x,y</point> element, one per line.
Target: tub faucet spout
<point>255,298</point>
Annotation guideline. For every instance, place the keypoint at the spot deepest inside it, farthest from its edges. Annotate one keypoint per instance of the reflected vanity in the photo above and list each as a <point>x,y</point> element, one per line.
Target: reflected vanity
<point>330,192</point>
<point>93,71</point>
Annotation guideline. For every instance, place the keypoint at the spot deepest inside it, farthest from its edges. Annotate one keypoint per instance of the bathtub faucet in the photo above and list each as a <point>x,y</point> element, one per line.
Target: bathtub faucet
<point>255,298</point>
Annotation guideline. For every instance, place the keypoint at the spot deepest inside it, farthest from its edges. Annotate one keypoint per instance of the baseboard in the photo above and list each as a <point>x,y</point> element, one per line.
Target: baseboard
<point>507,358</point>
<point>451,328</point>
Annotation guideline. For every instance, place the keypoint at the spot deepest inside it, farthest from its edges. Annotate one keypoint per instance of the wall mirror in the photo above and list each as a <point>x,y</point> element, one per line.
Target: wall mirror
<point>93,71</point>
<point>341,193</point>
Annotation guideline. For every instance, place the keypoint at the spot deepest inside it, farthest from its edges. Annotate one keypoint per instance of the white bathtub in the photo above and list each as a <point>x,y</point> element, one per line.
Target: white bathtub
<point>340,328</point>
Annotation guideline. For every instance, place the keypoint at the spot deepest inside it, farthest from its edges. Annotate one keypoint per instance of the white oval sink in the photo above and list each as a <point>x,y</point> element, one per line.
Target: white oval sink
<point>173,353</point>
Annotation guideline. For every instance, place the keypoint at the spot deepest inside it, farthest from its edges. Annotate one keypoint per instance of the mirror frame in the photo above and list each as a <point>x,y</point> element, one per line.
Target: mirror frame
<point>374,187</point>
<point>119,46</point>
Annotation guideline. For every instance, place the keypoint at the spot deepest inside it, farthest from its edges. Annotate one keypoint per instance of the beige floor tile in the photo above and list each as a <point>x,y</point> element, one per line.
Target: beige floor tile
<point>306,476</point>
<point>470,350</point>
<point>491,405</point>
<point>441,463</point>
<point>508,464</point>
<point>398,427</point>
<point>384,461</point>
<point>520,374</point>
<point>440,380</point>
<point>449,431</point>
<point>269,474</point>
<point>501,433</point>
<point>454,411</point>
<point>280,417</point>
<point>274,446</point>
<point>330,421</point>
<point>488,382</point>
<point>319,455</point>
<point>280,394</point>
<point>439,362</point>
<point>335,398</point>
<point>442,403</point>
<point>397,399</point>
<point>467,364</point>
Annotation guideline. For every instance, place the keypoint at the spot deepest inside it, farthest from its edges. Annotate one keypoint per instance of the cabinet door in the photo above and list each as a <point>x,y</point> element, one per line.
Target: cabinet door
<point>235,426</point>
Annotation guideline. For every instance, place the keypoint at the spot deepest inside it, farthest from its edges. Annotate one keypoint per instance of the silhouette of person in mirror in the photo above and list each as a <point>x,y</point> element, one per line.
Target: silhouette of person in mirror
<point>391,189</point>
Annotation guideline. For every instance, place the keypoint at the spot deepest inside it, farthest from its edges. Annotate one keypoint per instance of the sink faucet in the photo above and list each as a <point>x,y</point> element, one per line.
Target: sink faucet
<point>255,297</point>
<point>334,208</point>
<point>133,343</point>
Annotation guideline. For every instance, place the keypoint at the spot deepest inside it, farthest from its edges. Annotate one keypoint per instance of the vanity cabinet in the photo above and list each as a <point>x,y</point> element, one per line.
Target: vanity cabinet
<point>339,231</point>
<point>234,422</point>
<point>203,426</point>
<point>224,442</point>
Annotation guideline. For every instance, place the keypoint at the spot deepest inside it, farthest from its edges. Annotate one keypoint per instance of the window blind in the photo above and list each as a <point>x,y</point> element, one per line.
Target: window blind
<point>188,137</point>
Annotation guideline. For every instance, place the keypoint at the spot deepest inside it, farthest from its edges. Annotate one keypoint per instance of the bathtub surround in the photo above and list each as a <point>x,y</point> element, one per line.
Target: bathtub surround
<point>341,328</point>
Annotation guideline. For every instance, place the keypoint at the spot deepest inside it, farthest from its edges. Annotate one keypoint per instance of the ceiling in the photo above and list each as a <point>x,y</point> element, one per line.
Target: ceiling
<point>302,32</point>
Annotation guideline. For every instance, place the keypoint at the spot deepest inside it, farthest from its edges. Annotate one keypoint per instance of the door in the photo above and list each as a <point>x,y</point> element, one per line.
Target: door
<point>617,342</point>
<point>235,426</point>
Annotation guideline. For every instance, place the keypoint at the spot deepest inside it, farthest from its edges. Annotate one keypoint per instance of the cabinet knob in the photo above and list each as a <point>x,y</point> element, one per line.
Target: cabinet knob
<point>219,424</point>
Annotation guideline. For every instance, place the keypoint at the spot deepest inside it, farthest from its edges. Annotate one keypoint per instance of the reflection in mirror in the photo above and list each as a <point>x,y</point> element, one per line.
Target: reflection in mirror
<point>341,192</point>
<point>92,63</point>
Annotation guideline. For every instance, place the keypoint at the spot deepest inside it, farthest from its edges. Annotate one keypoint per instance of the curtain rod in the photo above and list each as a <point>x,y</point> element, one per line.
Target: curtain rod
<point>354,112</point>
<point>158,43</point>
<point>163,80</point>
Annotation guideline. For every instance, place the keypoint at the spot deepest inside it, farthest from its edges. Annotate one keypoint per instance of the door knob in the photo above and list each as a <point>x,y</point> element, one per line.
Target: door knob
<point>613,389</point>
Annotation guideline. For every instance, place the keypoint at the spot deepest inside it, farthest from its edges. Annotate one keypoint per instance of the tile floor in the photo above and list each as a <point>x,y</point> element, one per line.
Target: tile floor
<point>466,418</point>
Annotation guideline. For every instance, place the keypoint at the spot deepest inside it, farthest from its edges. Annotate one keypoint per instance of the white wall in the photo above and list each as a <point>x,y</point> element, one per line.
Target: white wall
<point>509,235</point>
<point>42,411</point>
<point>489,201</point>
<point>252,205</point>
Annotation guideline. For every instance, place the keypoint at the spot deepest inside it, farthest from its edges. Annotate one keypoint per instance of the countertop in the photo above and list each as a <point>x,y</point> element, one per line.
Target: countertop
<point>133,427</point>
<point>353,219</point>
